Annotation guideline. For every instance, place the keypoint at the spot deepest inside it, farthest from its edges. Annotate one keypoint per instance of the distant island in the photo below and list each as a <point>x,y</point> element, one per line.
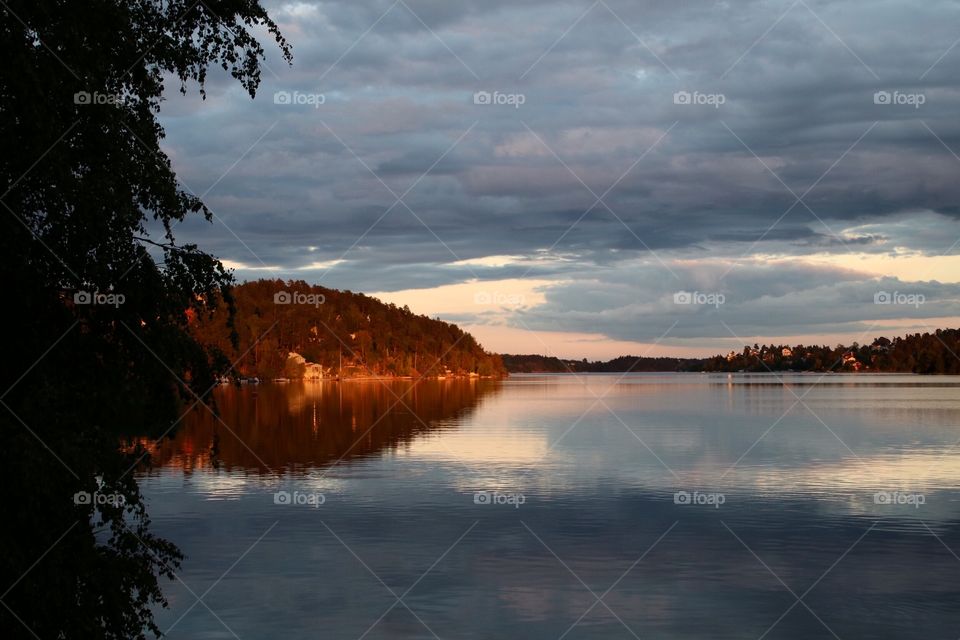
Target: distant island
<point>926,353</point>
<point>293,330</point>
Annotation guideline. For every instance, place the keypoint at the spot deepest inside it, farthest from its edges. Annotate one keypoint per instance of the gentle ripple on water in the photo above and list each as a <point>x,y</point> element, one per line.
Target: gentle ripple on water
<point>847,500</point>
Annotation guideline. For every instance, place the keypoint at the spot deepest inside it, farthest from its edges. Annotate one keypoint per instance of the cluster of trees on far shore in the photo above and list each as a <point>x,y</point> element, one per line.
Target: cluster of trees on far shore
<point>346,333</point>
<point>927,353</point>
<point>549,364</point>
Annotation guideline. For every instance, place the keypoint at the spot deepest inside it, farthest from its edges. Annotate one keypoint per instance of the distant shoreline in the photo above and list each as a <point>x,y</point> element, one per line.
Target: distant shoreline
<point>255,381</point>
<point>926,353</point>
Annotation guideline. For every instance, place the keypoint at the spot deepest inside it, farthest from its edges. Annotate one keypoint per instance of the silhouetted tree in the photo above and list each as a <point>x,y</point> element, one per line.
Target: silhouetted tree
<point>97,330</point>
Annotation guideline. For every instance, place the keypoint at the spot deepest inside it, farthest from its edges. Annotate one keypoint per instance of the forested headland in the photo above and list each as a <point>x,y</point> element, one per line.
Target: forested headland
<point>347,334</point>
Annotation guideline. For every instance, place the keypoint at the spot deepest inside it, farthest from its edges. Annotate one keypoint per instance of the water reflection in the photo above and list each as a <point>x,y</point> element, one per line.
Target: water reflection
<point>598,478</point>
<point>284,427</point>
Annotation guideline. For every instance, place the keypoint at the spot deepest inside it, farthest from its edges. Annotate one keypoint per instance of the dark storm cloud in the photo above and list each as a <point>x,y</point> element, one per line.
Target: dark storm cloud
<point>305,183</point>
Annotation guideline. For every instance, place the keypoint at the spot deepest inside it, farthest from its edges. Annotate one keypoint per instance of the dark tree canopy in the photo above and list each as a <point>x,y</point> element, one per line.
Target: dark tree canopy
<point>99,344</point>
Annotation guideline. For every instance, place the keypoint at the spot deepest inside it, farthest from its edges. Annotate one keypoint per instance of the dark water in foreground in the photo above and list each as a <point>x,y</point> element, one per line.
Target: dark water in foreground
<point>652,506</point>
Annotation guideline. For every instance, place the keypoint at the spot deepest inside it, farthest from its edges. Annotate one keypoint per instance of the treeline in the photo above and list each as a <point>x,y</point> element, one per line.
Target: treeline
<point>346,333</point>
<point>533,363</point>
<point>926,353</point>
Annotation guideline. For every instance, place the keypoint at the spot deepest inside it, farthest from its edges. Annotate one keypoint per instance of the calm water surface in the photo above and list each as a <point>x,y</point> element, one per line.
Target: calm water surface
<point>598,506</point>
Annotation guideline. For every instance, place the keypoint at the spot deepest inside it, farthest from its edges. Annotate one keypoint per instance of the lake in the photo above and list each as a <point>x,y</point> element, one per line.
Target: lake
<point>562,506</point>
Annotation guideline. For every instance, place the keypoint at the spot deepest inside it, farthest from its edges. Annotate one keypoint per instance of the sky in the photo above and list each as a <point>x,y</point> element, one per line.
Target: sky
<point>592,179</point>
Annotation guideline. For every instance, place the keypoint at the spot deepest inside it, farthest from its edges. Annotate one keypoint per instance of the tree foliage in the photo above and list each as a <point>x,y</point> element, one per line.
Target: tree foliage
<point>83,179</point>
<point>926,353</point>
<point>548,364</point>
<point>331,327</point>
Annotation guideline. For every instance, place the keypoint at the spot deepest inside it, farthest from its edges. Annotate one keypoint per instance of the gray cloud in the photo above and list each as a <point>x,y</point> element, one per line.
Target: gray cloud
<point>785,300</point>
<point>298,184</point>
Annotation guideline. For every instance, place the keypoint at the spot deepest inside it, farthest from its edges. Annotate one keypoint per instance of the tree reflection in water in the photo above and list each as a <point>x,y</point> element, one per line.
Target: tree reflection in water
<point>273,427</point>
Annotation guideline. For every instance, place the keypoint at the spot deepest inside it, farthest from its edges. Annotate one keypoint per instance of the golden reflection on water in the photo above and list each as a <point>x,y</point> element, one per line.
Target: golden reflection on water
<point>272,427</point>
<point>552,432</point>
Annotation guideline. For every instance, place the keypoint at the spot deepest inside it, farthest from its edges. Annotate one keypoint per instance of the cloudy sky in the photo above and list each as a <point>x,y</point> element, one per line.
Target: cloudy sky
<point>586,178</point>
